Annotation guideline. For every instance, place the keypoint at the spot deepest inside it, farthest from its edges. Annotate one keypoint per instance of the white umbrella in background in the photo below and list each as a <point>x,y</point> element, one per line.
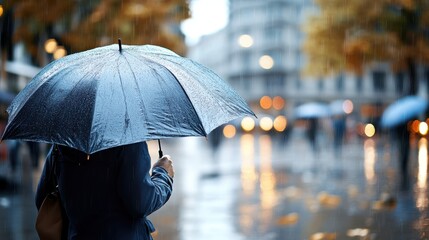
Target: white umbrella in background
<point>312,110</point>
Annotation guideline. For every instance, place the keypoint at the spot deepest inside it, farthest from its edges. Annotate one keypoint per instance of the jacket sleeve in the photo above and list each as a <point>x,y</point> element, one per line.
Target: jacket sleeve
<point>141,193</point>
<point>45,184</point>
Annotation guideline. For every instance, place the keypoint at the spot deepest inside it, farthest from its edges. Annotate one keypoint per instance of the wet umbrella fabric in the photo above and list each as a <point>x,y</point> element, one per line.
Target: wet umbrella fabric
<point>403,110</point>
<point>104,97</point>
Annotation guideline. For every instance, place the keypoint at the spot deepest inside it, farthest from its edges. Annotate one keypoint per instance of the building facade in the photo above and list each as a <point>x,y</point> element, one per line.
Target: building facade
<point>259,54</point>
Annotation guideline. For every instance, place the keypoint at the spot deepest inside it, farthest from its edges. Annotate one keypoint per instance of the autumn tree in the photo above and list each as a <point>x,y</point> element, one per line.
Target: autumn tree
<point>80,25</point>
<point>134,21</point>
<point>349,35</point>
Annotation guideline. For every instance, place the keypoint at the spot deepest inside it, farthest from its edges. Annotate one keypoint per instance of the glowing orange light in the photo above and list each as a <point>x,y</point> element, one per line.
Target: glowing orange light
<point>59,52</point>
<point>266,102</point>
<point>50,45</point>
<point>278,103</point>
<point>415,126</point>
<point>229,131</point>
<point>280,123</point>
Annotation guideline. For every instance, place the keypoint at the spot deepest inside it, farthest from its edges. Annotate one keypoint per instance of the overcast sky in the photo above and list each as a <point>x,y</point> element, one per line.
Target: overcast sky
<point>208,16</point>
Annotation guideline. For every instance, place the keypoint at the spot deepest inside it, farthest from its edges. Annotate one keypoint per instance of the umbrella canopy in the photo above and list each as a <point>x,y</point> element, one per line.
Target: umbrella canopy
<point>110,96</point>
<point>312,110</point>
<point>403,110</point>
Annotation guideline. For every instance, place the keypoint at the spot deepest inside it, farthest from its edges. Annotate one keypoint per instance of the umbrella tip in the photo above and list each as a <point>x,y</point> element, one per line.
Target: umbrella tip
<point>120,45</point>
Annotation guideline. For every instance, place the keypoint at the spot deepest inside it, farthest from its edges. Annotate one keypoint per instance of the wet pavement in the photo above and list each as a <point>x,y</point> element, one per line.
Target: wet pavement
<point>257,187</point>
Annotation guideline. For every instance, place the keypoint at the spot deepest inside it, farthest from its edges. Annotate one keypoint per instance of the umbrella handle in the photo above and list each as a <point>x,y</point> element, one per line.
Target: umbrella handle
<point>160,151</point>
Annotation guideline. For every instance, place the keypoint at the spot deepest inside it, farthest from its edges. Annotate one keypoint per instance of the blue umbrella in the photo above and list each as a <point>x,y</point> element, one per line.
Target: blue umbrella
<point>403,110</point>
<point>312,110</point>
<point>117,95</point>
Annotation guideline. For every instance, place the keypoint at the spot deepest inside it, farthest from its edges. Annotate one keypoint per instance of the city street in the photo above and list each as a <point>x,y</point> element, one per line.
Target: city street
<point>258,187</point>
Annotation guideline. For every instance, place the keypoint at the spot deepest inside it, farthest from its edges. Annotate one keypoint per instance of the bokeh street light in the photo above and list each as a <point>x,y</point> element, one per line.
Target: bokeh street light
<point>229,131</point>
<point>265,102</point>
<point>348,106</point>
<point>51,45</point>
<point>59,52</point>
<point>278,103</point>
<point>247,124</point>
<point>423,128</point>
<point>266,123</point>
<point>369,130</point>
<point>245,41</point>
<point>266,62</point>
<point>280,123</point>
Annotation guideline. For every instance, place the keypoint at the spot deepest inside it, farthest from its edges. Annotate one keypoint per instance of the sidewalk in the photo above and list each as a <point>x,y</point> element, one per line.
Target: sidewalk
<point>256,188</point>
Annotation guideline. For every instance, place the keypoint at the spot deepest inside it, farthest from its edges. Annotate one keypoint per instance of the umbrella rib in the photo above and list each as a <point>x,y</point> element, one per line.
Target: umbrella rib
<point>150,60</point>
<point>138,86</point>
<point>177,56</point>
<point>202,85</point>
<point>125,96</point>
<point>93,107</point>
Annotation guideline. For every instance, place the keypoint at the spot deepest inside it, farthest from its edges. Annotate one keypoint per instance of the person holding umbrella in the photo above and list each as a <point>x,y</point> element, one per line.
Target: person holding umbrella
<point>395,118</point>
<point>110,195</point>
<point>98,108</point>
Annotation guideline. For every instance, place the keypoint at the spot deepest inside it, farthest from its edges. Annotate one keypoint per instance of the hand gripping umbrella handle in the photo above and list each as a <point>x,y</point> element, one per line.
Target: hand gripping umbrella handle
<point>160,151</point>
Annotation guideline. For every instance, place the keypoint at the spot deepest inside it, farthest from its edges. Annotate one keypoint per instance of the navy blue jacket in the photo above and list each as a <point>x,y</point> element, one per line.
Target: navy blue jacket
<point>110,195</point>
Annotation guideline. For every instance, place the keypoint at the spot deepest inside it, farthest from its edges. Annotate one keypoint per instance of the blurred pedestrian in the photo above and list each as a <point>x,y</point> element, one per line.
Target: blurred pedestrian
<point>312,134</point>
<point>13,149</point>
<point>339,129</point>
<point>6,41</point>
<point>215,139</point>
<point>108,194</point>
<point>402,139</point>
<point>34,148</point>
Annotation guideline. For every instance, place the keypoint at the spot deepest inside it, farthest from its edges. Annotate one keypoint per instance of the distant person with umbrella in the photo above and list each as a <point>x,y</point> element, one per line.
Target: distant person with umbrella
<point>98,108</point>
<point>312,112</point>
<point>395,118</point>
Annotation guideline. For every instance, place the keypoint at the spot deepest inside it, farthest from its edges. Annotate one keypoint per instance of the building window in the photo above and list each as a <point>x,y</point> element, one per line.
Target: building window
<point>273,34</point>
<point>379,81</point>
<point>274,84</point>
<point>399,82</point>
<point>340,83</point>
<point>298,83</point>
<point>274,11</point>
<point>320,84</point>
<point>359,83</point>
<point>245,60</point>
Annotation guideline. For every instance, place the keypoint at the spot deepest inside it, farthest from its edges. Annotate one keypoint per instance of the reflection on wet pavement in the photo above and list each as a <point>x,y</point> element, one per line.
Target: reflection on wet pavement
<point>254,187</point>
<point>268,191</point>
